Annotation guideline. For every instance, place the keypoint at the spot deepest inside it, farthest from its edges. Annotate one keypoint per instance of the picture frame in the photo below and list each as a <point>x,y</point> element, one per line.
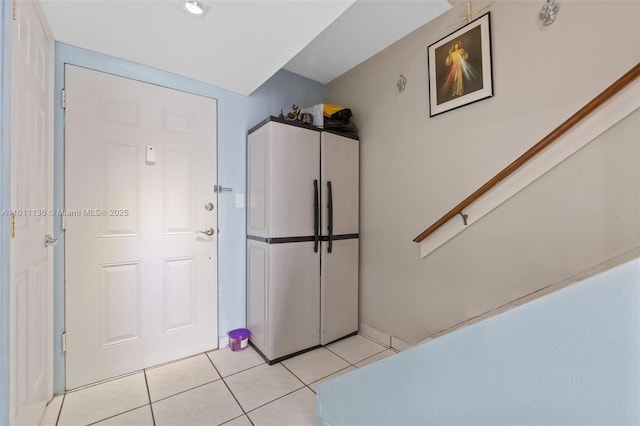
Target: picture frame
<point>459,67</point>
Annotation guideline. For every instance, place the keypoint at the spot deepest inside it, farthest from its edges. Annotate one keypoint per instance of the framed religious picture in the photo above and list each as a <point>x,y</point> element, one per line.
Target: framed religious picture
<point>460,67</point>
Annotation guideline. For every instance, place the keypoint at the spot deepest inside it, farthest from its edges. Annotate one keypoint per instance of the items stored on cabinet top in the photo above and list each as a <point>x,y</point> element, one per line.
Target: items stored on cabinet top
<point>327,116</point>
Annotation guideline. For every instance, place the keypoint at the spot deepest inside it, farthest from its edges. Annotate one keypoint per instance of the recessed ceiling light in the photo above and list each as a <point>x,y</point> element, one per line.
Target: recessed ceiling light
<point>195,7</point>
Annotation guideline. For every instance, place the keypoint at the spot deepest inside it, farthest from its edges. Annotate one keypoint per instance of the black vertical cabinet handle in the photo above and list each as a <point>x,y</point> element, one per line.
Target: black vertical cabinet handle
<point>330,207</point>
<point>316,216</point>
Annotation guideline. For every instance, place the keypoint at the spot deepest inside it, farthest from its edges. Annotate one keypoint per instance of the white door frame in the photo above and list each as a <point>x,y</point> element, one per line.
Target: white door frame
<point>5,202</point>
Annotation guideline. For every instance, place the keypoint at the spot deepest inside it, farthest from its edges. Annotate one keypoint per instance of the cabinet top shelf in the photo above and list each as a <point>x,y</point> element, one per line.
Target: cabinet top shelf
<point>297,124</point>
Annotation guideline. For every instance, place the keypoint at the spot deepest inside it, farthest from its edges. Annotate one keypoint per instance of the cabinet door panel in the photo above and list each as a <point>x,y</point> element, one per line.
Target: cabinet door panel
<point>258,183</point>
<point>339,286</point>
<point>294,156</point>
<point>340,166</point>
<point>294,298</point>
<point>257,292</point>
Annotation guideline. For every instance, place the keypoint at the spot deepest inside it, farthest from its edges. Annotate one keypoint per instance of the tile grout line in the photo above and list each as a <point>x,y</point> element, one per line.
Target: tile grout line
<point>329,375</point>
<point>229,389</point>
<point>64,396</point>
<point>101,382</point>
<point>144,371</point>
<point>116,415</point>
<point>382,344</point>
<point>183,391</point>
<point>294,375</point>
<point>375,341</point>
<point>354,365</point>
<point>206,354</point>
<point>349,362</point>
<point>323,377</point>
<point>236,418</point>
<point>371,356</point>
<point>336,354</point>
<point>237,372</point>
<point>378,343</point>
<point>122,376</point>
<point>245,412</point>
<point>280,397</point>
<point>107,381</point>
<point>267,403</point>
<point>146,381</point>
<point>304,385</point>
<point>184,358</point>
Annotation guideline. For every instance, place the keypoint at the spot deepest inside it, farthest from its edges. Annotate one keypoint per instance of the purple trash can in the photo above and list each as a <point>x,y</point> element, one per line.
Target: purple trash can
<point>239,339</point>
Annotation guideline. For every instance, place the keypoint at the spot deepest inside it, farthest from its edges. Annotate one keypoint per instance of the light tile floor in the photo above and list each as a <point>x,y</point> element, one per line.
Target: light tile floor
<point>219,387</point>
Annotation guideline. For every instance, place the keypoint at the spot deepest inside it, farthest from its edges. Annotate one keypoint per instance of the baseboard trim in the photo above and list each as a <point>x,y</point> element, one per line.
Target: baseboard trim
<point>223,342</point>
<point>383,338</point>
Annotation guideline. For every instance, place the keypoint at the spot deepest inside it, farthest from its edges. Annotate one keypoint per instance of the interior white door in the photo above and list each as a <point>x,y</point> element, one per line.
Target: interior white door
<point>31,316</point>
<point>140,271</point>
<point>340,157</point>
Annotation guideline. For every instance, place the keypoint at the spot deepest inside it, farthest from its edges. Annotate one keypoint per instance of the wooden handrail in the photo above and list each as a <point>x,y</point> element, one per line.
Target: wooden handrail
<point>555,134</point>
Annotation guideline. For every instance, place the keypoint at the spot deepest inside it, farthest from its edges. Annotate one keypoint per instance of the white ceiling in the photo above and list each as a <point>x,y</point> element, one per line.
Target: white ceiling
<point>363,30</point>
<point>239,44</point>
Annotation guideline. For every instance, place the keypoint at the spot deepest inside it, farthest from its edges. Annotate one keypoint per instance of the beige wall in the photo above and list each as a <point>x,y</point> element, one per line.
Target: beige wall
<point>415,168</point>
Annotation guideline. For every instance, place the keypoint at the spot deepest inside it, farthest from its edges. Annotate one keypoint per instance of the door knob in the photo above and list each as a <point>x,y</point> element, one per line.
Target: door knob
<point>208,232</point>
<point>208,207</point>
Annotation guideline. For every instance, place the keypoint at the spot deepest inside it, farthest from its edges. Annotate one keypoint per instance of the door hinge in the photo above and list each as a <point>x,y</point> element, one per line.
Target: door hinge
<point>12,225</point>
<point>13,10</point>
<point>64,341</point>
<point>64,99</point>
<point>63,222</point>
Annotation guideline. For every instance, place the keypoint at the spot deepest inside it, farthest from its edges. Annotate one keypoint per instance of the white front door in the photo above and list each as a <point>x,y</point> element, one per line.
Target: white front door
<point>31,315</point>
<point>140,280</point>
